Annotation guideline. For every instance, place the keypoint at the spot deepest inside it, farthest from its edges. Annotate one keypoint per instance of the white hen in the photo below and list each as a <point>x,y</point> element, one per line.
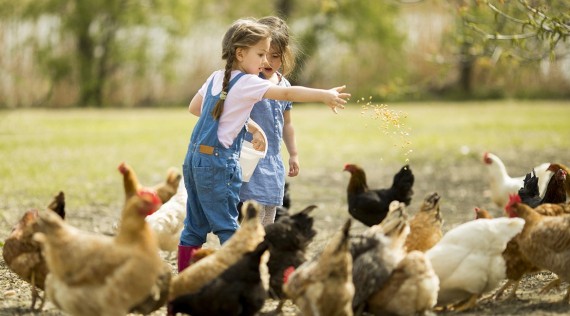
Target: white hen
<point>468,259</point>
<point>501,184</point>
<point>168,221</point>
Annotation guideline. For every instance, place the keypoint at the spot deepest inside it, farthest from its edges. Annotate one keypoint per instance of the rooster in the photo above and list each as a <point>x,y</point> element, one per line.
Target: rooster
<point>468,259</point>
<point>92,274</point>
<point>323,285</point>
<point>164,190</point>
<point>371,206</point>
<point>23,255</point>
<point>244,240</point>
<point>236,291</point>
<point>288,239</point>
<point>502,184</point>
<point>425,226</point>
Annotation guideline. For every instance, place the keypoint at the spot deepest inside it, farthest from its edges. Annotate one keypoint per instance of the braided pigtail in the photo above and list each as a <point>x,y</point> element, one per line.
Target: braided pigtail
<point>243,33</point>
<point>219,108</point>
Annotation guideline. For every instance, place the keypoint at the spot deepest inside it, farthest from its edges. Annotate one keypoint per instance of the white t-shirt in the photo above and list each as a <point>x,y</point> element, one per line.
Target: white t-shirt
<point>248,90</point>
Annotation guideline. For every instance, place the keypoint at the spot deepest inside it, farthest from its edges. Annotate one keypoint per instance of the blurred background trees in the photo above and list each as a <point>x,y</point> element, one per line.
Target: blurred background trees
<point>124,53</point>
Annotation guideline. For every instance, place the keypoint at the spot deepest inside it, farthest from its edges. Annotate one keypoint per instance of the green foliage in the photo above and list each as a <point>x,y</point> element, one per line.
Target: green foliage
<point>98,39</point>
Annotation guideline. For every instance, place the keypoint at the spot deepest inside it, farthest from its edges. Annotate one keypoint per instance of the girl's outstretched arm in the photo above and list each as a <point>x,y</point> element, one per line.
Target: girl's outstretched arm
<point>334,97</point>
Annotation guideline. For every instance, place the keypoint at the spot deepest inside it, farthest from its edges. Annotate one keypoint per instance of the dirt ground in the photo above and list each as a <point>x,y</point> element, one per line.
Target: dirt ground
<point>461,182</point>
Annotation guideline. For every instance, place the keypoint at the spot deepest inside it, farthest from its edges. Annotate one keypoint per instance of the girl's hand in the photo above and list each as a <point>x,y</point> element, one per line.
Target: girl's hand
<point>293,166</point>
<point>258,141</point>
<point>337,99</point>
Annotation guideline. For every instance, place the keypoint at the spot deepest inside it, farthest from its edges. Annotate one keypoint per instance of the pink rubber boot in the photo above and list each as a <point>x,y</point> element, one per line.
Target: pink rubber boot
<point>185,253</point>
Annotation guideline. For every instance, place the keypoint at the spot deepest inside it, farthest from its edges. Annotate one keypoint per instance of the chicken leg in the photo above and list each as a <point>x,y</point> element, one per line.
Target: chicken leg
<point>513,294</point>
<point>466,304</point>
<point>554,284</point>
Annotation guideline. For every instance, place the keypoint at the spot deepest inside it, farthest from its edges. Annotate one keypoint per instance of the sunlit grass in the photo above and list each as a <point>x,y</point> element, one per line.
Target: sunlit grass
<point>42,152</point>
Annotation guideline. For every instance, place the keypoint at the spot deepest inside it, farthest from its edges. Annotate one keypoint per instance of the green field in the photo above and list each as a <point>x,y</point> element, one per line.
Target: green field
<point>44,151</point>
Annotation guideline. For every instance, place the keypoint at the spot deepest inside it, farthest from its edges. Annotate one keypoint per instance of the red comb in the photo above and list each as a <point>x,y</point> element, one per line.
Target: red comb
<point>513,199</point>
<point>150,196</point>
<point>122,167</point>
<point>287,273</point>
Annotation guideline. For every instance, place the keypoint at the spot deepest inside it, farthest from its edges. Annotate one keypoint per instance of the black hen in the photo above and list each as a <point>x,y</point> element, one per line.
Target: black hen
<point>555,192</point>
<point>284,209</point>
<point>237,291</point>
<point>288,239</point>
<point>371,206</point>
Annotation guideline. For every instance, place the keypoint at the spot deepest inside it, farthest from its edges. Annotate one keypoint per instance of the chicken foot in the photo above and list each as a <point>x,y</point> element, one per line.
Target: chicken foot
<point>277,311</point>
<point>513,294</point>
<point>466,304</point>
<point>554,284</point>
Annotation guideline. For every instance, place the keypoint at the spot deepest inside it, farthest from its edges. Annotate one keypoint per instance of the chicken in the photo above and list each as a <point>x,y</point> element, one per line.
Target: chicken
<point>468,259</point>
<point>371,206</point>
<point>164,190</point>
<point>159,294</point>
<point>425,226</point>
<point>517,264</point>
<point>168,221</point>
<point>544,241</point>
<point>501,184</point>
<point>201,254</point>
<point>323,285</point>
<point>236,291</point>
<point>554,192</point>
<point>482,213</point>
<point>376,253</point>
<point>411,289</point>
<point>92,274</point>
<point>555,167</point>
<point>244,240</point>
<point>288,239</point>
<point>23,255</point>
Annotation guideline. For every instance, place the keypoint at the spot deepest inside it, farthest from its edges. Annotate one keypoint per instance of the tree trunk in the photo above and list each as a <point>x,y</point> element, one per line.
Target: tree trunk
<point>466,63</point>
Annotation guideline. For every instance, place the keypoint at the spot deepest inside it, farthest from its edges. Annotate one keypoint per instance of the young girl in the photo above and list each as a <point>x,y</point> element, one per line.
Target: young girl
<point>267,183</point>
<point>211,170</point>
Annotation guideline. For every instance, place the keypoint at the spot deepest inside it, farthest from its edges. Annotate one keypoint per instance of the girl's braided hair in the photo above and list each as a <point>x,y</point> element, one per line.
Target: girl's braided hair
<point>280,40</point>
<point>243,33</point>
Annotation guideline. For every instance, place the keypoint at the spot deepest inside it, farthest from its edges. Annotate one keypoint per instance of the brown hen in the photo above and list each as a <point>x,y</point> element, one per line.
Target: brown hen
<point>244,240</point>
<point>23,255</point>
<point>323,286</point>
<point>425,226</point>
<point>92,274</point>
<point>544,240</point>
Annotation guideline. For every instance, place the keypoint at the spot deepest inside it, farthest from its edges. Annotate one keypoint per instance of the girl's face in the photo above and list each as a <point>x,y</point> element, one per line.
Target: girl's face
<point>251,59</point>
<point>273,63</point>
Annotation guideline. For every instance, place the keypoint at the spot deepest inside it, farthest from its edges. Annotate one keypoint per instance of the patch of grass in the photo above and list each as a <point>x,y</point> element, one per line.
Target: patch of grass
<point>77,151</point>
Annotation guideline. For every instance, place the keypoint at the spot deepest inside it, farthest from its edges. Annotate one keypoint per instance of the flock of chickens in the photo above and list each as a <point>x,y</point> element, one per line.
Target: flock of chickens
<point>400,264</point>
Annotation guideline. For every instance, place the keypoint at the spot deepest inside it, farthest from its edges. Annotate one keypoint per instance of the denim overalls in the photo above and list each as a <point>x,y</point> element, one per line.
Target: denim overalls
<point>213,177</point>
<point>267,183</point>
